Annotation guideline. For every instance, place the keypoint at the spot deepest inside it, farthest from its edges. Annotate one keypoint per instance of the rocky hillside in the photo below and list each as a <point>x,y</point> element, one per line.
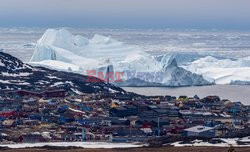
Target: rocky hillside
<point>14,75</point>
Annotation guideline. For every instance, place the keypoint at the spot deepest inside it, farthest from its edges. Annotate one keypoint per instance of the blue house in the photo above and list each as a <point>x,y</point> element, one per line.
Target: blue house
<point>118,112</point>
<point>35,116</point>
<point>235,110</point>
<point>62,109</point>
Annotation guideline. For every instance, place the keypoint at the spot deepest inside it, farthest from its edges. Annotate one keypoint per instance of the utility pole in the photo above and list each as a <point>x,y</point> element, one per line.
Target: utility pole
<point>107,76</point>
<point>130,132</point>
<point>158,124</point>
<point>83,134</point>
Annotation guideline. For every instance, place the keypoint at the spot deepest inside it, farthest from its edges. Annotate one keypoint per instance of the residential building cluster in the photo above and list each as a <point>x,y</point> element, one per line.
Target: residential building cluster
<point>58,115</point>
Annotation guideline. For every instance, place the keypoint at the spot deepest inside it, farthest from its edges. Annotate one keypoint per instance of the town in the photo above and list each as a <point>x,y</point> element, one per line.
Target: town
<point>59,115</point>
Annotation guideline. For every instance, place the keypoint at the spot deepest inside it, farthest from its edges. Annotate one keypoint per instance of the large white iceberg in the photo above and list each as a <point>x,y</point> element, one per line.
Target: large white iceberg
<point>60,49</point>
<point>223,71</point>
<point>60,44</point>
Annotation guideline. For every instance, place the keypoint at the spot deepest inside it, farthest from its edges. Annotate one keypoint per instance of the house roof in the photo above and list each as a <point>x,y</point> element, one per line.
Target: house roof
<point>129,106</point>
<point>120,108</point>
<point>199,129</point>
<point>8,122</point>
<point>185,112</point>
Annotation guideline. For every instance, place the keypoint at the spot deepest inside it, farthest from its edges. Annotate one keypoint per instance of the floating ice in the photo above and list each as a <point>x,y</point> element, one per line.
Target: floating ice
<point>61,50</point>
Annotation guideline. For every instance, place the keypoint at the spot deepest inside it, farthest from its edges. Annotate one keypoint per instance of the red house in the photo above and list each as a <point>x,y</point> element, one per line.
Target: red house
<point>7,113</point>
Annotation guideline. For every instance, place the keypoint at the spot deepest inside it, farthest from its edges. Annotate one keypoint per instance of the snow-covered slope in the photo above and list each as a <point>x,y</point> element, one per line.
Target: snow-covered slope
<point>59,49</point>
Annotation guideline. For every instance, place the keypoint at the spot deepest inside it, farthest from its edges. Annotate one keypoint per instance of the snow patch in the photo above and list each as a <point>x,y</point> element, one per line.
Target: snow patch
<point>74,144</point>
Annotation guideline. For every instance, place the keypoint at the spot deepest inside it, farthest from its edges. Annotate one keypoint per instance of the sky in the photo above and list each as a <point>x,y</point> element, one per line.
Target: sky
<point>175,14</point>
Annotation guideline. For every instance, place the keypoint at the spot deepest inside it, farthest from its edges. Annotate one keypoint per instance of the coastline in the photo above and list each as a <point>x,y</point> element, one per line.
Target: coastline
<point>230,92</point>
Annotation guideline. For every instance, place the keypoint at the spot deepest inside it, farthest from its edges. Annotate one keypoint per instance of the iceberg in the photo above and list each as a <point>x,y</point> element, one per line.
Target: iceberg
<point>61,50</point>
<point>177,76</point>
<point>60,44</point>
<point>182,58</point>
<point>222,71</point>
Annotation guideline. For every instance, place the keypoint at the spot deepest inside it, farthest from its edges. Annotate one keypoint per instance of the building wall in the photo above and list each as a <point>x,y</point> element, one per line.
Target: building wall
<point>208,133</point>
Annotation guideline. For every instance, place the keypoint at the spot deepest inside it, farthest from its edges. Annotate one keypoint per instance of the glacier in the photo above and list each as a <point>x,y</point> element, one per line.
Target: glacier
<point>59,49</point>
